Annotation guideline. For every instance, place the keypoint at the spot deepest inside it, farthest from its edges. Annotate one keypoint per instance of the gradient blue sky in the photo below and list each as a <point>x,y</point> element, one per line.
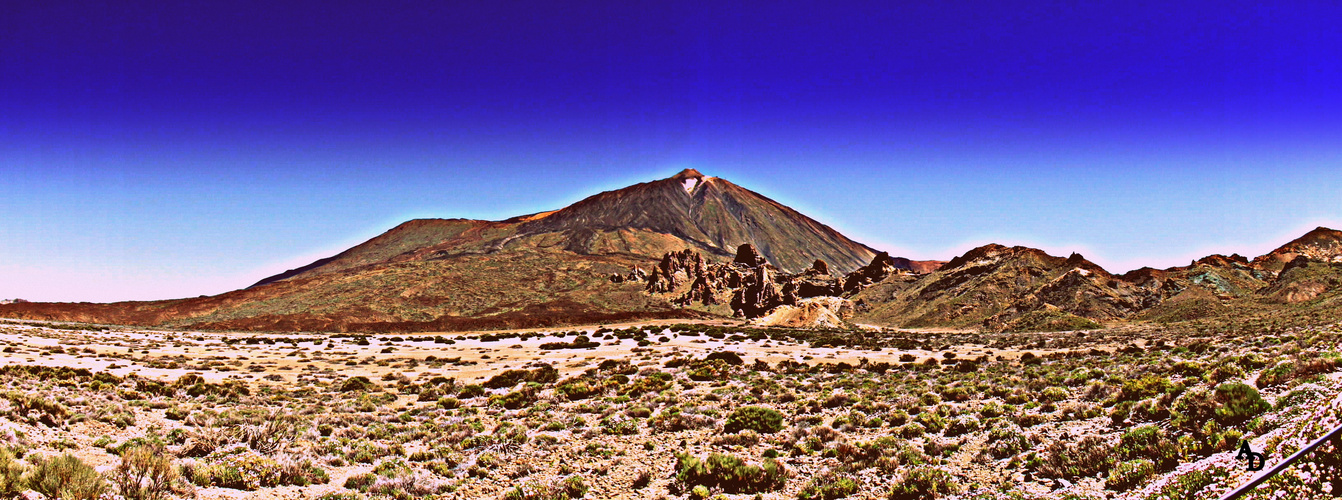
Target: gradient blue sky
<point>166,149</point>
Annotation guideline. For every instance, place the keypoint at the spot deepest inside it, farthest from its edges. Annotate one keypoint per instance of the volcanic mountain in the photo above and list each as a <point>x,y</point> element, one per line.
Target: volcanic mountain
<point>541,269</point>
<point>688,210</point>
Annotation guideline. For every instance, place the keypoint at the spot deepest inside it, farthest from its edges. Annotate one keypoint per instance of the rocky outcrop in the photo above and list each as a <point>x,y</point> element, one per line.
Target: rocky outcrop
<point>635,275</point>
<point>747,256</point>
<point>757,296</point>
<point>880,268</point>
<point>1320,245</point>
<point>818,268</point>
<point>818,312</point>
<point>752,286</point>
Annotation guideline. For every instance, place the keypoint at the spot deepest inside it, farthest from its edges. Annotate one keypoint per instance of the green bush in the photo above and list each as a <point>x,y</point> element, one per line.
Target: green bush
<point>619,425</point>
<point>578,389</point>
<point>360,383</point>
<point>471,391</point>
<point>448,403</point>
<point>50,413</point>
<point>911,430</point>
<point>1054,394</point>
<point>1006,440</point>
<point>509,378</point>
<point>1239,403</point>
<point>1149,442</point>
<point>568,488</point>
<point>247,470</point>
<point>828,486</point>
<point>755,418</point>
<point>1277,375</point>
<point>516,399</point>
<point>961,425</point>
<point>932,421</point>
<point>728,357</point>
<point>11,474</point>
<point>66,478</point>
<point>924,482</point>
<point>1130,474</point>
<point>1144,387</point>
<point>729,473</point>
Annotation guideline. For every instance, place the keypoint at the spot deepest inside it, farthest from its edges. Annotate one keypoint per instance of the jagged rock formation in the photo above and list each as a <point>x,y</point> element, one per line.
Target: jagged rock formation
<point>757,295</point>
<point>754,287</point>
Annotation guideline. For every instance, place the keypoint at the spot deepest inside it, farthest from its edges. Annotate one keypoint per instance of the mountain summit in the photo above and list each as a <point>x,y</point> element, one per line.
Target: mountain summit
<point>709,214</point>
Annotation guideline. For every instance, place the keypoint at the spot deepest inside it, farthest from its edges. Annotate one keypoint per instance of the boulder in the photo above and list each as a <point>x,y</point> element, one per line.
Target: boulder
<point>748,256</point>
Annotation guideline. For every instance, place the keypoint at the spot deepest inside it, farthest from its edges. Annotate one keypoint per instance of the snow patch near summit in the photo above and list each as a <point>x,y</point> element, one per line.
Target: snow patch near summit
<point>690,183</point>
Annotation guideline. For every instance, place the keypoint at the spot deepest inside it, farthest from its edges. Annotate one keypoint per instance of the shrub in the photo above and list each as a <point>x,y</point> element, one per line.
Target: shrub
<point>828,486</point>
<point>755,418</point>
<point>1143,388</point>
<point>673,420</point>
<point>403,483</point>
<point>924,482</point>
<point>1226,372</point>
<point>448,403</point>
<point>729,473</point>
<point>932,421</point>
<point>911,430</point>
<point>1192,409</point>
<point>360,482</point>
<point>243,469</point>
<point>1054,394</point>
<point>1130,473</point>
<point>516,399</point>
<point>11,475</point>
<point>567,488</point>
<point>619,425</point>
<point>1151,443</point>
<point>359,383</point>
<point>51,413</point>
<point>1279,374</point>
<point>471,391</point>
<point>508,378</point>
<point>146,473</point>
<point>1006,440</point>
<point>1084,458</point>
<point>65,477</point>
<point>578,389</point>
<point>961,425</point>
<point>1239,403</point>
<point>729,357</point>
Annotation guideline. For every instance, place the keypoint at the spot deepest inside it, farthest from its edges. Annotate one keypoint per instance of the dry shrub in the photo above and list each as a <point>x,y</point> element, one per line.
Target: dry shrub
<point>146,473</point>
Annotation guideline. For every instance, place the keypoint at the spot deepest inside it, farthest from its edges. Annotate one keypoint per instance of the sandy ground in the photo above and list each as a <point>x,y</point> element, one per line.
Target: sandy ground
<point>167,355</point>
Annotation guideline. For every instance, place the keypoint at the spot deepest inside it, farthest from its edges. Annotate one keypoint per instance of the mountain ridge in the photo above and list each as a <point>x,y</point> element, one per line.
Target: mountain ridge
<point>583,263</point>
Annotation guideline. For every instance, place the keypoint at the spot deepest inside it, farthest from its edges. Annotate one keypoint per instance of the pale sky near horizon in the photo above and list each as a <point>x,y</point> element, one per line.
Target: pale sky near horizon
<point>163,151</point>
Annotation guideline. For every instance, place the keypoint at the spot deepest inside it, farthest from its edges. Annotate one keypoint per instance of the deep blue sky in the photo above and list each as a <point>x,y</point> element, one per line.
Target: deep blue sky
<point>167,149</point>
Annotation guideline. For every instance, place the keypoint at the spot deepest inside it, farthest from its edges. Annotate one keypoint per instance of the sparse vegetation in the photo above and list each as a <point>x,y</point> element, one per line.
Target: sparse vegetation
<point>400,425</point>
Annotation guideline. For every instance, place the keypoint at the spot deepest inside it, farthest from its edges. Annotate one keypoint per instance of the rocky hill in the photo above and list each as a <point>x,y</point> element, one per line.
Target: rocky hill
<point>1019,288</point>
